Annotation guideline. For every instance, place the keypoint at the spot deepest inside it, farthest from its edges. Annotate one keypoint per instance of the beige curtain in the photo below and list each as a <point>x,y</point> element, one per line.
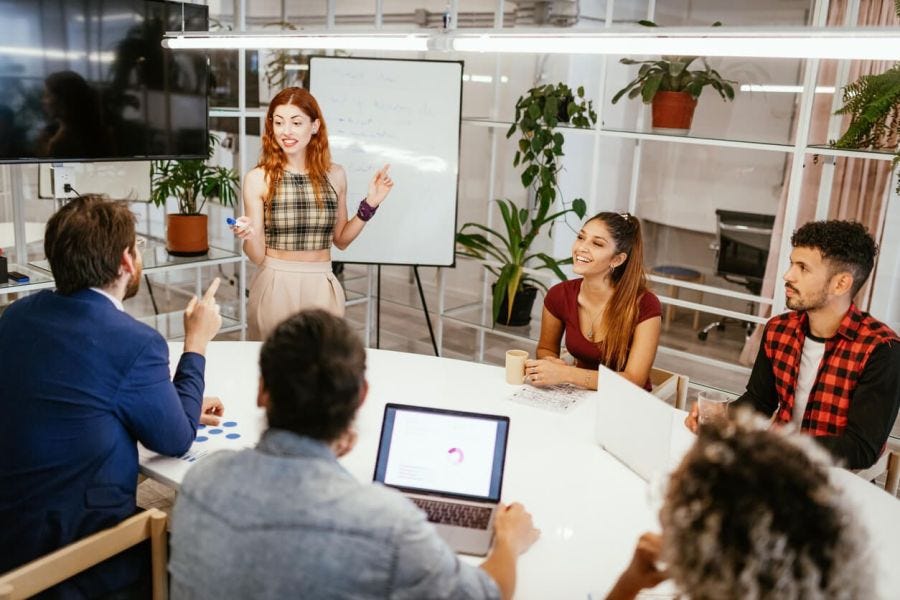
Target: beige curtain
<point>859,187</point>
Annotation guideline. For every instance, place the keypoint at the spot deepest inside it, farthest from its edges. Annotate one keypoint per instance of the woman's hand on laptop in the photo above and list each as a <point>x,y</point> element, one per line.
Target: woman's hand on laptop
<point>513,526</point>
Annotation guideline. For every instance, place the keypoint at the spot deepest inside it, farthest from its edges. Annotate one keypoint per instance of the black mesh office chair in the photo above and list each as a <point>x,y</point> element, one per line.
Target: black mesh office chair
<point>742,253</point>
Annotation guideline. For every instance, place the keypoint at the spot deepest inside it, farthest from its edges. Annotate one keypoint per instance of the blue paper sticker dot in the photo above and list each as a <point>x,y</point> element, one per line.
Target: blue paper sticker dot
<point>201,438</point>
<point>233,436</point>
<point>201,426</point>
<point>215,431</point>
<point>229,424</point>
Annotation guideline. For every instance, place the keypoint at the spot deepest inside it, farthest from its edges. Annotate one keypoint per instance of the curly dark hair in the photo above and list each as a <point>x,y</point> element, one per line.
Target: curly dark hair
<point>313,367</point>
<point>750,513</point>
<point>847,245</point>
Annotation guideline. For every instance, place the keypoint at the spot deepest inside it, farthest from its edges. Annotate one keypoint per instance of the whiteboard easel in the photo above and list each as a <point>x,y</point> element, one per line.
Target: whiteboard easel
<point>406,113</point>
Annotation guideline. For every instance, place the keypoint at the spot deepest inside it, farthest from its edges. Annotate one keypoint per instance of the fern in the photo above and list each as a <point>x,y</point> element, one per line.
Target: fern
<point>873,103</point>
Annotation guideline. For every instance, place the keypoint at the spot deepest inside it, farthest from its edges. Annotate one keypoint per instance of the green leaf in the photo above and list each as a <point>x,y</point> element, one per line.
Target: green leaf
<point>512,129</point>
<point>580,207</point>
<point>534,111</point>
<point>649,89</point>
<point>550,110</point>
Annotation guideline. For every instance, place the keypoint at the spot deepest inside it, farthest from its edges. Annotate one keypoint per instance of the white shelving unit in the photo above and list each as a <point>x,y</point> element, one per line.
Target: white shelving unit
<point>156,261</point>
<point>476,315</point>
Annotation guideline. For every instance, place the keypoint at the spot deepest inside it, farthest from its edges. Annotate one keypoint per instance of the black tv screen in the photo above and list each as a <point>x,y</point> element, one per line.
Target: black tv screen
<point>88,80</point>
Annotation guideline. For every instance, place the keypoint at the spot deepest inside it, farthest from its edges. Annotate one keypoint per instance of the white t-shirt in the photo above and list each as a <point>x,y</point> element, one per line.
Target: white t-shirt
<point>810,360</point>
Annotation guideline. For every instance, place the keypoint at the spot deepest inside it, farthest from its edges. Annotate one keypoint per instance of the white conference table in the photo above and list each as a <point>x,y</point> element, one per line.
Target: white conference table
<point>590,507</point>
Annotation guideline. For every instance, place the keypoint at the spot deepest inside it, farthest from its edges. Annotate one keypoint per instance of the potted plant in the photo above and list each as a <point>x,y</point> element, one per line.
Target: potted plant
<point>507,252</point>
<point>192,183</point>
<point>672,89</point>
<point>873,103</point>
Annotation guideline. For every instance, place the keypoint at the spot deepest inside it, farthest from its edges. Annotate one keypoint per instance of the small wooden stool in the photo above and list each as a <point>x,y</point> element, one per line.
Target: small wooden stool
<point>681,274</point>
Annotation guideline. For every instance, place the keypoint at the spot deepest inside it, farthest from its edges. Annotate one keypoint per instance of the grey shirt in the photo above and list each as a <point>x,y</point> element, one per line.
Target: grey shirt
<point>286,520</point>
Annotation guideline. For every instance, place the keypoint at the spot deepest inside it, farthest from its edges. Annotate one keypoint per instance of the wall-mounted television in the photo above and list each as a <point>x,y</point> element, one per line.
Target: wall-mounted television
<point>87,80</point>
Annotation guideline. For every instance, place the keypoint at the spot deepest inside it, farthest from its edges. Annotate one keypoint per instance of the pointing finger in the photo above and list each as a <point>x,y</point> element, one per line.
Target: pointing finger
<point>210,295</point>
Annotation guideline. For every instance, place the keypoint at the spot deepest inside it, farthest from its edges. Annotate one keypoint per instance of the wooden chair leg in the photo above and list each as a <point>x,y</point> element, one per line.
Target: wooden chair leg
<point>670,309</point>
<point>893,474</point>
<point>159,556</point>
<point>697,312</point>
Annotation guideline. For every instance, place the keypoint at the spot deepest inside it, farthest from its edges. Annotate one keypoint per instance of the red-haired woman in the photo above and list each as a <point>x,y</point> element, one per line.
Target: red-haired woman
<point>295,204</point>
<point>608,315</point>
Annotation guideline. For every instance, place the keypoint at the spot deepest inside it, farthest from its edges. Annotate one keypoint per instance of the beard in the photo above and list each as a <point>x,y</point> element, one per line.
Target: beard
<point>800,303</point>
<point>134,284</point>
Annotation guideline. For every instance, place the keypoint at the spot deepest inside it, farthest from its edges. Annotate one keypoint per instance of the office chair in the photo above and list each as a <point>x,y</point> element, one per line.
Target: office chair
<point>741,254</point>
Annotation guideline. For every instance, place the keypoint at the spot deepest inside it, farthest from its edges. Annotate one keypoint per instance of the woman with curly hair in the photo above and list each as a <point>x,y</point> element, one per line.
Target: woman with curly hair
<point>750,513</point>
<point>295,204</point>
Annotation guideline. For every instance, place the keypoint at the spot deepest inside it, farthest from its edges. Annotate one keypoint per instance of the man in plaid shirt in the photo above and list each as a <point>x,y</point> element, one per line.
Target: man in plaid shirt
<point>827,367</point>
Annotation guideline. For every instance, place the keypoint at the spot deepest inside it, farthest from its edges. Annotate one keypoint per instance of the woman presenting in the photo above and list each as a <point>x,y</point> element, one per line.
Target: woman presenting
<point>295,204</point>
<point>608,315</point>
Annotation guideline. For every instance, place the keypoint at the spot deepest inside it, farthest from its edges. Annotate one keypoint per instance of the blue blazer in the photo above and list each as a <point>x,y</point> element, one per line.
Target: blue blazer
<point>80,383</point>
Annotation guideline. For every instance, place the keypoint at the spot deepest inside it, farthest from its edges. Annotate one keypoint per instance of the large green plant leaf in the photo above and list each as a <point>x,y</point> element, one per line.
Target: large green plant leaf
<point>188,180</point>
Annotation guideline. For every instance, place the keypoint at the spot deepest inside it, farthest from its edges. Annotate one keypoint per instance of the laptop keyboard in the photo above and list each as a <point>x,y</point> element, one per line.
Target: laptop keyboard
<point>449,513</point>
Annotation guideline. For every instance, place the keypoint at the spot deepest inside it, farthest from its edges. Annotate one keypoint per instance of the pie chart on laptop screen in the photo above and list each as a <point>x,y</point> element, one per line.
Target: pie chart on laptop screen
<point>455,455</point>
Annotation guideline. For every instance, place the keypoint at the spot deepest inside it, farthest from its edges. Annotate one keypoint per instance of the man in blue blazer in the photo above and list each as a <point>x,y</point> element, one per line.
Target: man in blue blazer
<point>81,382</point>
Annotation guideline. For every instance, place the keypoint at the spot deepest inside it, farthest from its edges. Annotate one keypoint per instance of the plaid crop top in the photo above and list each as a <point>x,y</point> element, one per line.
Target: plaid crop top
<point>295,221</point>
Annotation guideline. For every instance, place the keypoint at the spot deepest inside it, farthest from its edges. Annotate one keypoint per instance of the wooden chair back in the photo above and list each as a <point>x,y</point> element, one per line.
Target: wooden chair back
<point>669,386</point>
<point>47,571</point>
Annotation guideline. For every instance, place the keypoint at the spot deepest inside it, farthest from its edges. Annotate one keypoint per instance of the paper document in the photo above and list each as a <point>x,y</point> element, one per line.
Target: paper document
<point>557,398</point>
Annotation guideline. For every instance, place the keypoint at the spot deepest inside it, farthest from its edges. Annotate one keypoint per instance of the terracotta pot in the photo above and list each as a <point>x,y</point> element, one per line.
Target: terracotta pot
<point>186,235</point>
<point>673,112</point>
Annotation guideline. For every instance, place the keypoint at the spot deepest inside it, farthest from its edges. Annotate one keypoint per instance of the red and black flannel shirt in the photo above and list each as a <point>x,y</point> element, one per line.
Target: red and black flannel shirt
<point>863,352</point>
<point>846,354</point>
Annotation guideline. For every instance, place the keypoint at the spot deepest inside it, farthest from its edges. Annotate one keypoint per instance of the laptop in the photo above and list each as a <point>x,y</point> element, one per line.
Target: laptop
<point>637,428</point>
<point>450,463</point>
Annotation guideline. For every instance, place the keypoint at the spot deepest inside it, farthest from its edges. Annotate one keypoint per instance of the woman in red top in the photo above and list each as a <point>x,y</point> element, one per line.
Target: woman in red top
<point>608,315</point>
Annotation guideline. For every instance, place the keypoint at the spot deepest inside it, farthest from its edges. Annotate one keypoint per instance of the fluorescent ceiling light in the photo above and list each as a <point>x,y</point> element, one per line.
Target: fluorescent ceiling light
<point>836,43</point>
<point>792,89</point>
<point>58,54</point>
<point>483,78</point>
<point>293,41</point>
<point>796,42</point>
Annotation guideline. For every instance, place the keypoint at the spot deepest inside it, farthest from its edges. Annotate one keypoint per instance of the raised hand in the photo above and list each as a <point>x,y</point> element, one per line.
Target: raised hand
<point>379,187</point>
<point>202,320</point>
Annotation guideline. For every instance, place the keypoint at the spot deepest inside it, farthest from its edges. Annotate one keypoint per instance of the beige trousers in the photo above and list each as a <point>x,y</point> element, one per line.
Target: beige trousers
<point>282,288</point>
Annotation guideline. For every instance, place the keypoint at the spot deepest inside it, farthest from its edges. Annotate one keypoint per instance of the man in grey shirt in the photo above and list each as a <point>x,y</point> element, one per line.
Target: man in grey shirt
<point>285,519</point>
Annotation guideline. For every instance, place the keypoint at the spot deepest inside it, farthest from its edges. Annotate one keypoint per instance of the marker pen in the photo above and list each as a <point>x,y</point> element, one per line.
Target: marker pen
<point>231,221</point>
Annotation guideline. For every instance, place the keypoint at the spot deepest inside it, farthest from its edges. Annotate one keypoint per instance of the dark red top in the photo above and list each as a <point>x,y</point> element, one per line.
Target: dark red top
<point>562,302</point>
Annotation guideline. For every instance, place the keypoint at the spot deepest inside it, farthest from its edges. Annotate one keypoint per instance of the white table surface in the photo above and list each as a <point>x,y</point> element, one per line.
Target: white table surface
<point>590,508</point>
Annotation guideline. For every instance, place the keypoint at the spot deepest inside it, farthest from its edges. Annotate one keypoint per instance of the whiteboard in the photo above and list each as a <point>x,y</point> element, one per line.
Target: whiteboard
<point>406,113</point>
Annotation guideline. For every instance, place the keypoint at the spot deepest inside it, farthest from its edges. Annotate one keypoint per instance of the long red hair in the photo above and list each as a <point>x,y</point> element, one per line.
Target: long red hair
<point>272,159</point>
<point>629,282</point>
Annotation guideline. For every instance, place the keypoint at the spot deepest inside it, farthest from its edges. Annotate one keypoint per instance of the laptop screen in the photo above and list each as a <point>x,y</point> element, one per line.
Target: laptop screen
<point>446,452</point>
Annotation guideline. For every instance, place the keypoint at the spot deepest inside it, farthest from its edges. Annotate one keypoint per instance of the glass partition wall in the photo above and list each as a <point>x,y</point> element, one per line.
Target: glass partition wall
<point>763,157</point>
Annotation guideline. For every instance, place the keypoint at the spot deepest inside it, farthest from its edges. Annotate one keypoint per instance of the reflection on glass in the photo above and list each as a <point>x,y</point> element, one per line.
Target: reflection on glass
<point>90,80</point>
